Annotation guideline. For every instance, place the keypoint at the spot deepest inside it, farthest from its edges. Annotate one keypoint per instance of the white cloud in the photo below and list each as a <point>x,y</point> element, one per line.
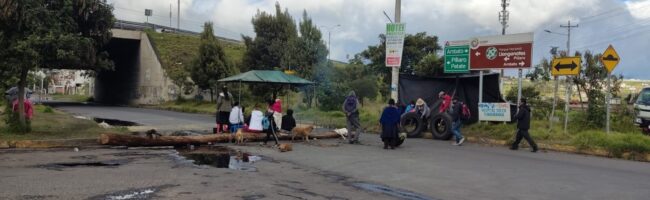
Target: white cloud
<point>639,9</point>
<point>601,22</point>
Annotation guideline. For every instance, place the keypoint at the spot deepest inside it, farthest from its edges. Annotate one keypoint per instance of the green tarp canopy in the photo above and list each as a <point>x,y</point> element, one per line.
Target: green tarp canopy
<point>266,76</point>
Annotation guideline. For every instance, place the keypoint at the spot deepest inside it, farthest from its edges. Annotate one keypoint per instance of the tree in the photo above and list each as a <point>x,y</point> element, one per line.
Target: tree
<point>53,34</point>
<point>306,52</point>
<point>274,34</point>
<point>593,76</point>
<point>210,64</point>
<point>416,48</point>
<point>541,71</point>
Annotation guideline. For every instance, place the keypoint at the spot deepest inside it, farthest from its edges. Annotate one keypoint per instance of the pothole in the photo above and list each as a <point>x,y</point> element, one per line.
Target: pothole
<point>400,194</point>
<point>61,166</point>
<point>220,157</point>
<point>115,122</point>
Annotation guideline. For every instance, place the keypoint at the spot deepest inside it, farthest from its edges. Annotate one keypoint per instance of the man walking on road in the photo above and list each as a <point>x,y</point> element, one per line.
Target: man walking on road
<point>351,110</point>
<point>523,124</point>
<point>456,112</point>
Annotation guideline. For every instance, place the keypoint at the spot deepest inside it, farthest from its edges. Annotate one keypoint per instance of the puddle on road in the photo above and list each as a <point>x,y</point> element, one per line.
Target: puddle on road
<point>115,122</point>
<point>220,157</point>
<point>61,166</point>
<point>400,194</point>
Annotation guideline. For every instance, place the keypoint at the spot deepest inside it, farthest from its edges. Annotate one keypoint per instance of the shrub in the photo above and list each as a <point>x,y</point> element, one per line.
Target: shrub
<point>615,143</point>
<point>48,109</point>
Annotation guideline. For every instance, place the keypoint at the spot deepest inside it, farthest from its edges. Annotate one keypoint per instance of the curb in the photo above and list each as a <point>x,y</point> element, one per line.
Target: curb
<point>48,143</point>
<point>566,149</point>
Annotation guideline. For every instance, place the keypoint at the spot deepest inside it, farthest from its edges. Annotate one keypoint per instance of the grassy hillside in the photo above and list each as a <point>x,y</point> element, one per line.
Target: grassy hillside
<point>176,51</point>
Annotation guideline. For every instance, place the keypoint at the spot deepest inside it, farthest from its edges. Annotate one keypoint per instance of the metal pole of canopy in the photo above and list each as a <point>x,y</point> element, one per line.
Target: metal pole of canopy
<point>240,93</point>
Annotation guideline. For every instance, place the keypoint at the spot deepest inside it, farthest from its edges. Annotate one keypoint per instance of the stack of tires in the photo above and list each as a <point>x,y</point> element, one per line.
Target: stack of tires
<point>414,125</point>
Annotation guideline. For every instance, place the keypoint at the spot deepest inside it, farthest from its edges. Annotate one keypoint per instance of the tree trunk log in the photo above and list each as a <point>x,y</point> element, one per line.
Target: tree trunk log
<point>133,141</point>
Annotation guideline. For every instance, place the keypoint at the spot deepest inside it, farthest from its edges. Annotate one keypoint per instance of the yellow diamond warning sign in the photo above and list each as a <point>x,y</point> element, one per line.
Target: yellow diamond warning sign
<point>610,59</point>
<point>569,66</point>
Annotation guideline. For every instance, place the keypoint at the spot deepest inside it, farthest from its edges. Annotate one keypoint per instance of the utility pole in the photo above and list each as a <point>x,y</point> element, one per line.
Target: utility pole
<point>504,15</point>
<point>568,84</point>
<point>178,16</point>
<point>170,15</point>
<point>395,70</point>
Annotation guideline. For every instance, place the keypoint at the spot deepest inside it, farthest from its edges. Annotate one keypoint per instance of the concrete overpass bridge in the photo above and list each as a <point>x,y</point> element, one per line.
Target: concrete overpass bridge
<point>139,77</point>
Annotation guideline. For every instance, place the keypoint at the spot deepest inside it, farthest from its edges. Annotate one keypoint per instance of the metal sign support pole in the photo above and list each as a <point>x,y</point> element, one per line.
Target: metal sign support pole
<point>519,89</point>
<point>608,99</point>
<point>566,104</point>
<point>554,102</point>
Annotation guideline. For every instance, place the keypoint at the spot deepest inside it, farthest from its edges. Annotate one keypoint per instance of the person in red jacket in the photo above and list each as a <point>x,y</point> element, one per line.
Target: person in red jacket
<point>29,110</point>
<point>446,101</point>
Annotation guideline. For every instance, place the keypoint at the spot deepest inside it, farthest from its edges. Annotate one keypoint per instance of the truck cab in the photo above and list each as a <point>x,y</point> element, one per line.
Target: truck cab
<point>642,110</point>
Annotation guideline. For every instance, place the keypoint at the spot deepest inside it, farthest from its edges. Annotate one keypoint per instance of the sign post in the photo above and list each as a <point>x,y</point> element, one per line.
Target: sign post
<point>609,59</point>
<point>394,47</point>
<point>512,51</point>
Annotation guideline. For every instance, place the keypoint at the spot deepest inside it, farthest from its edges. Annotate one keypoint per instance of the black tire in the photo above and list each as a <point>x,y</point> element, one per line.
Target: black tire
<point>441,126</point>
<point>411,124</point>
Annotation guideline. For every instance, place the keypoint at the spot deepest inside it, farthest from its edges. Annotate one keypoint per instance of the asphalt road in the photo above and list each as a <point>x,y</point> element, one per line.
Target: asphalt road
<point>442,171</point>
<point>434,169</point>
<point>161,120</point>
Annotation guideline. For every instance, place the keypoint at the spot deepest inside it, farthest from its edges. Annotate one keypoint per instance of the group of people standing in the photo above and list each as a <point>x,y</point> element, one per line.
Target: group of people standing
<point>230,117</point>
<point>390,119</point>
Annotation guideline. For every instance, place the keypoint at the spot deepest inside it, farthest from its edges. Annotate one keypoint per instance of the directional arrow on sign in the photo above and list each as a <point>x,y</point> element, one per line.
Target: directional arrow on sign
<point>522,63</point>
<point>566,66</point>
<point>571,66</point>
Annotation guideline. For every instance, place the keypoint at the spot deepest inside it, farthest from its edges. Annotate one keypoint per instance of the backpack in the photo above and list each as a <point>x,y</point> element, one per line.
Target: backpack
<point>266,123</point>
<point>465,113</point>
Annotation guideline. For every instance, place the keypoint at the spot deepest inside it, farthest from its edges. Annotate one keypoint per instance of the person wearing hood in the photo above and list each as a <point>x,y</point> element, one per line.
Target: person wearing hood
<point>390,125</point>
<point>351,110</point>
<point>523,124</point>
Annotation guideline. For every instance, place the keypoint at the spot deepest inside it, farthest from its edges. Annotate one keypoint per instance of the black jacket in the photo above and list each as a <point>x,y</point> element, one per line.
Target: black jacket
<point>523,118</point>
<point>456,110</point>
<point>288,122</point>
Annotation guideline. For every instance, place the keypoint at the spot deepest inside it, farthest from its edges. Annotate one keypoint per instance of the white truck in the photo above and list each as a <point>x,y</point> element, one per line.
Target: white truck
<point>642,110</point>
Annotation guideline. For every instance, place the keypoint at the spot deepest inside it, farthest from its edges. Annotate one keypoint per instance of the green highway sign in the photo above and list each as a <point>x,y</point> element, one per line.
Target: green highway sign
<point>457,59</point>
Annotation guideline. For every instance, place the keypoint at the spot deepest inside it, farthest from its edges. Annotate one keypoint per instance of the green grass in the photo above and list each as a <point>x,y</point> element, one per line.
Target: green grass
<point>73,98</point>
<point>188,106</point>
<point>176,50</point>
<point>625,137</point>
<point>57,125</point>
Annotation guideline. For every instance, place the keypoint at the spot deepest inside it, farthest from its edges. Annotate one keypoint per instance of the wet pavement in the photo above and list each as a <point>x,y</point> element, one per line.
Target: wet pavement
<point>161,173</point>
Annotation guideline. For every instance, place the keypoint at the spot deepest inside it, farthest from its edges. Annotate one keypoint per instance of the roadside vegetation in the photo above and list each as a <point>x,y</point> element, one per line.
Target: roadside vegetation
<point>49,123</point>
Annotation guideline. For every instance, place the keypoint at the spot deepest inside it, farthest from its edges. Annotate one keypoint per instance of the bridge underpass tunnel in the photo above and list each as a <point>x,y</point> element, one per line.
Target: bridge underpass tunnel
<point>119,86</point>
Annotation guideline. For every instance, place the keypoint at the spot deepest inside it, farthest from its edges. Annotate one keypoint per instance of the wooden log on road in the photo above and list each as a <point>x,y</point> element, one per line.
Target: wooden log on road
<point>142,141</point>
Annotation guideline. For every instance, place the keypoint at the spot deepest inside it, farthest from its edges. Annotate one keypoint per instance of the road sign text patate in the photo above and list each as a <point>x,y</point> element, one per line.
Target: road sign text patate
<point>566,66</point>
<point>457,59</point>
<point>610,59</point>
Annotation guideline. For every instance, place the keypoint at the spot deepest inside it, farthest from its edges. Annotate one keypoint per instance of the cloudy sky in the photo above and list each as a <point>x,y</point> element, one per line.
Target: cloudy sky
<point>624,24</point>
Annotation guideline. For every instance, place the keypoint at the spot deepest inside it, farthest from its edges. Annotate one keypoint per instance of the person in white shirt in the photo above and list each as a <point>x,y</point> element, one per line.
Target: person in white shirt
<point>255,124</point>
<point>236,118</point>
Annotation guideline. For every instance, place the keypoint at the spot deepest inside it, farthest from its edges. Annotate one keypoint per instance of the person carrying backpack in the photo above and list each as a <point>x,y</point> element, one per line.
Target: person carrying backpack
<point>457,114</point>
<point>351,110</point>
